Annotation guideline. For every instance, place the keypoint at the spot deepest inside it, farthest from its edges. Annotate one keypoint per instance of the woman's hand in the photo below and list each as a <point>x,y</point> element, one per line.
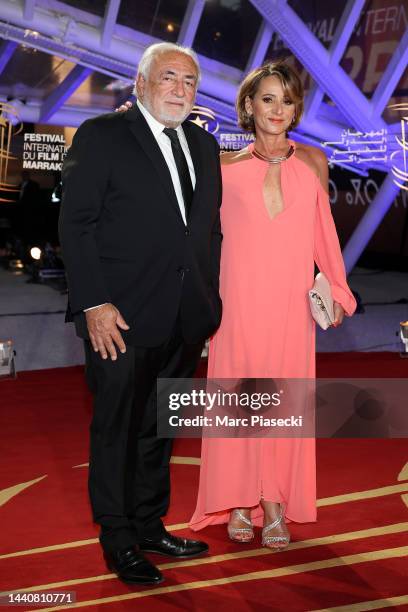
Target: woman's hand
<point>124,107</point>
<point>338,314</point>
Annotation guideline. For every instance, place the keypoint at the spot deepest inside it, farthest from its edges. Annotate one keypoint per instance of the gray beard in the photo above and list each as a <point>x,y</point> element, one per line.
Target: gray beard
<point>163,118</point>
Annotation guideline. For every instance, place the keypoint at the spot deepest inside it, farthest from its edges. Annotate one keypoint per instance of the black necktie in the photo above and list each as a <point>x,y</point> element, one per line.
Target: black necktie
<point>182,168</point>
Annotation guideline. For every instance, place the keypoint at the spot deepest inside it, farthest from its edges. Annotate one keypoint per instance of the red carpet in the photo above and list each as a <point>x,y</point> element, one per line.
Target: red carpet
<point>355,553</point>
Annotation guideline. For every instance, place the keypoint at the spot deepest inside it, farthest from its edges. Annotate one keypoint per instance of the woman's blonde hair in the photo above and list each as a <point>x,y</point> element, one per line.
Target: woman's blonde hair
<point>292,87</point>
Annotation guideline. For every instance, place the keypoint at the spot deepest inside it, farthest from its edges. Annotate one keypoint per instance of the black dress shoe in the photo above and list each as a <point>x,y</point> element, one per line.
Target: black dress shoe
<point>132,567</point>
<point>173,546</point>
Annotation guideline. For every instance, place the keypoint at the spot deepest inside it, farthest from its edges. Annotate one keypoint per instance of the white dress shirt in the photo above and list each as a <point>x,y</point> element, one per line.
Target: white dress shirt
<point>165,146</point>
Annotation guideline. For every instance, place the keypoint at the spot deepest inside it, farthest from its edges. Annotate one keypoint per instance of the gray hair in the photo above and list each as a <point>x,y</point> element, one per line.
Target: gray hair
<point>154,50</point>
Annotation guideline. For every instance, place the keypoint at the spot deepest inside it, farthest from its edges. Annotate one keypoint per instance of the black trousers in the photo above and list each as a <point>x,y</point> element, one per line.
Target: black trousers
<point>129,479</point>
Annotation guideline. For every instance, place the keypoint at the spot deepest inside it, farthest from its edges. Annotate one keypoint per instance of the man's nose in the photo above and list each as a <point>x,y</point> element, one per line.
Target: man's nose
<point>179,89</point>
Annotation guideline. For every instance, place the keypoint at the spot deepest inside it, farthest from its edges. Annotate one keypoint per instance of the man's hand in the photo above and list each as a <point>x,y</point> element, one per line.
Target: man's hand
<point>103,323</point>
<point>338,314</point>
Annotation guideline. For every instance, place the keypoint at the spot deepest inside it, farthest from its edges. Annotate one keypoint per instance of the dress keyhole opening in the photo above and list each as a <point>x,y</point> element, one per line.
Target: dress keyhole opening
<point>272,191</point>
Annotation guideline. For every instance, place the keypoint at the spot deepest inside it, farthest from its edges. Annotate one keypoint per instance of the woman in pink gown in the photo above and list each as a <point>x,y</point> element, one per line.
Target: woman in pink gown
<point>276,222</point>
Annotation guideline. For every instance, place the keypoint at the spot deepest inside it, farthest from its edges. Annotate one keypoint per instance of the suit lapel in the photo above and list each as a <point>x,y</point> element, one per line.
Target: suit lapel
<point>141,131</point>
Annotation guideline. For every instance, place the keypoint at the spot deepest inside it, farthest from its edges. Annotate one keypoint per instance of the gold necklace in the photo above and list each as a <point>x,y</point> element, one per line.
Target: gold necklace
<point>274,160</point>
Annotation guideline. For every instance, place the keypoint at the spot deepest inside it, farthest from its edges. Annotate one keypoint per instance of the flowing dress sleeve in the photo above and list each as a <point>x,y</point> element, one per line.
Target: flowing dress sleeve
<point>327,253</point>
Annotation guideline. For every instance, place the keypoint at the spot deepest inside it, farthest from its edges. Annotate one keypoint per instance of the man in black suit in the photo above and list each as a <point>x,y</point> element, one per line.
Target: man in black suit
<point>141,239</point>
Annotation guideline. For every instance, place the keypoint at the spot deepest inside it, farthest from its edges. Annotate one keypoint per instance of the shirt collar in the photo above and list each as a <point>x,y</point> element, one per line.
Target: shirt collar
<point>156,127</point>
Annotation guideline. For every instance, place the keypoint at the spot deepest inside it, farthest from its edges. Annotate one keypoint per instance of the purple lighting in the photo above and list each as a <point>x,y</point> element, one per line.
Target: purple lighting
<point>190,22</point>
<point>6,52</point>
<point>369,223</point>
<point>64,91</point>
<point>101,44</point>
<point>316,59</point>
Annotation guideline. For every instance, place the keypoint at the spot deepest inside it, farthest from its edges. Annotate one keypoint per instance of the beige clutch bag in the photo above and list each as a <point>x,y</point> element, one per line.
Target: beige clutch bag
<point>321,302</point>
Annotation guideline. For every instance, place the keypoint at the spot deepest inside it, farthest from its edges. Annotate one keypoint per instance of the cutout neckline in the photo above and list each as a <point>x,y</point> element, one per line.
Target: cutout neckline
<point>291,145</point>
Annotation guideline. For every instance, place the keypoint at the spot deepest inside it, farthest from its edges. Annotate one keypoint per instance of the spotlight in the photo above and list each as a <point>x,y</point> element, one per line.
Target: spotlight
<point>170,27</point>
<point>33,33</point>
<point>15,265</point>
<point>46,265</point>
<point>56,194</point>
<point>35,253</point>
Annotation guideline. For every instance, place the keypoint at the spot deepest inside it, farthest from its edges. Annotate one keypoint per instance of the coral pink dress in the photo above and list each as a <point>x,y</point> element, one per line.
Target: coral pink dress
<point>267,268</point>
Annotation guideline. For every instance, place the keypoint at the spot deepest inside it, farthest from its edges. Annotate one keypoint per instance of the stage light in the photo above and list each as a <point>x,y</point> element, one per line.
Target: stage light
<point>56,194</point>
<point>15,265</point>
<point>32,33</point>
<point>170,27</point>
<point>404,337</point>
<point>7,365</point>
<point>35,253</point>
<point>47,265</point>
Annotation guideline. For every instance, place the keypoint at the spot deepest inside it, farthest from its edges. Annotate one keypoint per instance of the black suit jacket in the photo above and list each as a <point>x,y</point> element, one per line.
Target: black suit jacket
<point>123,237</point>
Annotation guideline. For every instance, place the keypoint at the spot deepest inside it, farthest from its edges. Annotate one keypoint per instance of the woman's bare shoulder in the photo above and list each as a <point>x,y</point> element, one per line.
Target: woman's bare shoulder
<point>314,157</point>
<point>233,157</point>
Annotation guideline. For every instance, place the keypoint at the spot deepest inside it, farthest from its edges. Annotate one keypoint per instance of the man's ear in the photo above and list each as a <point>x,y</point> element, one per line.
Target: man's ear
<point>140,86</point>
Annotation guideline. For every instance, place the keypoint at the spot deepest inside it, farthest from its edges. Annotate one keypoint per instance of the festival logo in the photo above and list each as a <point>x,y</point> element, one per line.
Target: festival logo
<point>44,151</point>
<point>204,117</point>
<point>399,156</point>
<point>10,126</point>
<point>358,147</point>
